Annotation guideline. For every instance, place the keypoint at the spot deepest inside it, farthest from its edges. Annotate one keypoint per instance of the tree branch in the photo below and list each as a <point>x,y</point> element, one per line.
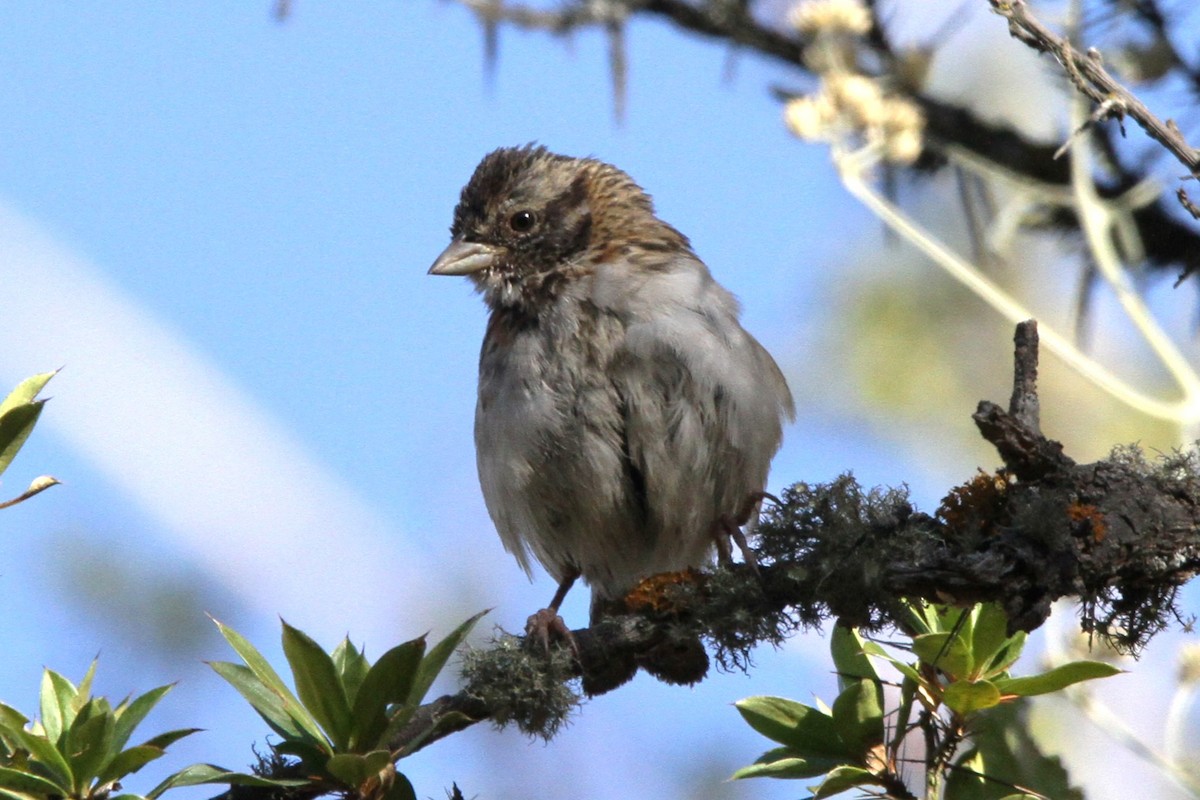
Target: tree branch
<point>1087,73</point>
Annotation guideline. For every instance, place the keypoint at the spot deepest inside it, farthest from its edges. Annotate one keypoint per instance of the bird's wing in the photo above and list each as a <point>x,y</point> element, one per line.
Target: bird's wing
<point>703,401</point>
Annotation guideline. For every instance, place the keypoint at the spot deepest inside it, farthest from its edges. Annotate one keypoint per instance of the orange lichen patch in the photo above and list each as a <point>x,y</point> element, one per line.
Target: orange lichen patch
<point>978,503</point>
<point>656,592</point>
<point>1083,514</point>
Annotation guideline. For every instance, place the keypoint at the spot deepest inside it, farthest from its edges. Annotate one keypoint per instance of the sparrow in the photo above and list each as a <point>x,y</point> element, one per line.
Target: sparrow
<point>625,420</point>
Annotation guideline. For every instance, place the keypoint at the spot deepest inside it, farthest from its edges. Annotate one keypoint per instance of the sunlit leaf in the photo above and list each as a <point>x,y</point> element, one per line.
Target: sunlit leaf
<point>1057,678</point>
<point>965,697</point>
<point>26,391</point>
<point>989,637</point>
<point>947,652</point>
<point>260,667</point>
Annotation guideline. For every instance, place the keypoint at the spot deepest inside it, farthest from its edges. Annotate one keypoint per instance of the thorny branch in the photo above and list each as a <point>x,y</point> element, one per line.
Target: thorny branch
<point>1089,76</point>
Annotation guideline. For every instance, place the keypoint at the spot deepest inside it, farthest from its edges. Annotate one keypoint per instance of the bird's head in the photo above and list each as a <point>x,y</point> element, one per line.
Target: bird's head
<point>530,221</point>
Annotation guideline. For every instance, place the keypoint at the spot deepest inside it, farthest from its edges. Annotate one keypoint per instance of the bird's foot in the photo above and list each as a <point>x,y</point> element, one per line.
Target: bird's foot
<point>728,533</point>
<point>546,625</point>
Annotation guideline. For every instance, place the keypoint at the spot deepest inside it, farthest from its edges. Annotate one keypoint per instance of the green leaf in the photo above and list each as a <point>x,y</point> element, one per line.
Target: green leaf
<point>199,774</point>
<point>21,781</point>
<point>26,391</point>
<point>129,761</point>
<point>270,706</point>
<point>401,789</point>
<point>85,687</point>
<point>849,656</point>
<point>351,666</point>
<point>318,684</point>
<point>46,754</point>
<point>858,715</point>
<point>908,692</point>
<point>904,668</point>
<point>949,654</point>
<point>1057,678</point>
<point>965,697</point>
<point>353,769</point>
<point>132,715</point>
<point>388,682</point>
<point>9,794</point>
<point>19,412</point>
<point>1006,656</point>
<point>11,718</point>
<point>990,635</point>
<point>806,730</point>
<point>56,704</point>
<point>165,740</point>
<point>15,426</point>
<point>439,654</point>
<point>89,743</point>
<point>270,679</point>
<point>782,762</point>
<point>842,778</point>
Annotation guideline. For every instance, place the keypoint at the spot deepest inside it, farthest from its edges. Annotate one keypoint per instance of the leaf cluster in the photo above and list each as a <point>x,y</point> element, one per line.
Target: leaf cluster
<point>76,748</point>
<point>341,726</point>
<point>955,669</point>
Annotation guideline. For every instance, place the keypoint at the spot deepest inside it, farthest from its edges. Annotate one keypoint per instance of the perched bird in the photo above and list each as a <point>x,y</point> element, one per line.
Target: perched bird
<point>625,420</point>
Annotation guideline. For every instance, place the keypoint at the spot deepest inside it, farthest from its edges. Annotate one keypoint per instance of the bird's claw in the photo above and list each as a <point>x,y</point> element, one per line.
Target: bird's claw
<point>545,625</point>
<point>729,533</point>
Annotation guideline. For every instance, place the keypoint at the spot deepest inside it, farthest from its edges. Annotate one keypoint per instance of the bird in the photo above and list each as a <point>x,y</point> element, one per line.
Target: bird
<point>625,420</point>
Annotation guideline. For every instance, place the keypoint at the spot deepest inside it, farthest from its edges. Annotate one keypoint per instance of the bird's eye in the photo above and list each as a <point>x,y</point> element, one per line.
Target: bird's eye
<point>522,221</point>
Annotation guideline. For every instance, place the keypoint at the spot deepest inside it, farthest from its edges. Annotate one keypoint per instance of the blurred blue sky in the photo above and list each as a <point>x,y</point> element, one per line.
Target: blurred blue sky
<point>220,226</point>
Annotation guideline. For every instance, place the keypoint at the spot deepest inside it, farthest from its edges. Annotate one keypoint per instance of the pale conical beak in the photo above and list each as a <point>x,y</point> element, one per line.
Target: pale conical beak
<point>464,258</point>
